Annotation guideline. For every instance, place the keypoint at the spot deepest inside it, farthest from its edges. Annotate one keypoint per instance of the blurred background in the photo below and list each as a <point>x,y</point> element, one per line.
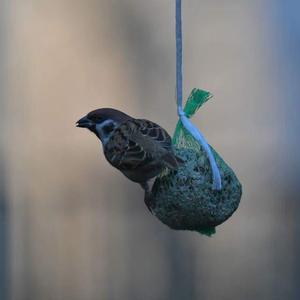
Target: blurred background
<point>72,227</point>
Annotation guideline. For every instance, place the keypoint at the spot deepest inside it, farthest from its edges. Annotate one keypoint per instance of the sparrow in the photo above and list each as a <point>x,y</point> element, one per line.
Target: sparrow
<point>139,148</point>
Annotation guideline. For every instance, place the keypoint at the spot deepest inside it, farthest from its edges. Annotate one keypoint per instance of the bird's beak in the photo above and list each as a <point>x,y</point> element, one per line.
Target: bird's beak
<point>84,123</point>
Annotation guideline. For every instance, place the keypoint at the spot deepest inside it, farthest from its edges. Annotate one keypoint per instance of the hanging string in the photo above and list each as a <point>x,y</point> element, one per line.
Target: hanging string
<point>194,131</point>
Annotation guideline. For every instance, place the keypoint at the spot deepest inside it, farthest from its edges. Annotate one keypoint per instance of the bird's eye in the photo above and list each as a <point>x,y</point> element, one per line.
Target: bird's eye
<point>108,128</point>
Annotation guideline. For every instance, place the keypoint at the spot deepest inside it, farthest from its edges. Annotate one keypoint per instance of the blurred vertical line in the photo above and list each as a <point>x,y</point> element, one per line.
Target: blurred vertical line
<point>287,36</point>
<point>287,23</point>
<point>3,195</point>
<point>284,29</point>
<point>3,234</point>
<point>182,257</point>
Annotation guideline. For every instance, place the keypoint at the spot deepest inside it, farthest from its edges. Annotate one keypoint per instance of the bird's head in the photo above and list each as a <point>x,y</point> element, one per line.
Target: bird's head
<point>103,122</point>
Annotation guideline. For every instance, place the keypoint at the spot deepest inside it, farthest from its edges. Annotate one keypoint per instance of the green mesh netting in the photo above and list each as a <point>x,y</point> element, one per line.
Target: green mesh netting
<point>184,199</point>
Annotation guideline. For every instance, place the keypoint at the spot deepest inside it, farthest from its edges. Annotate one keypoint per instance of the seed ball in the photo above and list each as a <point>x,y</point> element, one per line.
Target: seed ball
<point>184,199</point>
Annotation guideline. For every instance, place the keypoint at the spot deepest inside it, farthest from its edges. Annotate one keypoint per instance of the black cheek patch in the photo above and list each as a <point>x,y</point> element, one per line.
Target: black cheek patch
<point>108,128</point>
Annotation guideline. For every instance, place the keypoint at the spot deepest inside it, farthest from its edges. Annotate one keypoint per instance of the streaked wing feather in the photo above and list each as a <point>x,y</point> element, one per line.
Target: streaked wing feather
<point>159,136</point>
<point>136,142</point>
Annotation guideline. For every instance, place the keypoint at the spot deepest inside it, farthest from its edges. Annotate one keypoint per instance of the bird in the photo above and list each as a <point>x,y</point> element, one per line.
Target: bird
<point>139,148</point>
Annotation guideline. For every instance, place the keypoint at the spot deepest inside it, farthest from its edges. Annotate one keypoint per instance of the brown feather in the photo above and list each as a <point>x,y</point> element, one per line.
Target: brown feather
<point>140,149</point>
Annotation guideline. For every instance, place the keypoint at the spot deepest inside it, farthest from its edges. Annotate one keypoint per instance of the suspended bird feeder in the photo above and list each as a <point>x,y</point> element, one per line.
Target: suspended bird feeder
<point>185,198</point>
<point>204,191</point>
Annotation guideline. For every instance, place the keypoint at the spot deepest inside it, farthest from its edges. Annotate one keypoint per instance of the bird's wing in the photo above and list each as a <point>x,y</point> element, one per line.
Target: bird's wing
<point>150,135</point>
<point>137,142</point>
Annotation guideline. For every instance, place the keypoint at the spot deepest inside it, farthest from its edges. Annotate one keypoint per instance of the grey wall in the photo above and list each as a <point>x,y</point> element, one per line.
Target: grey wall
<point>77,228</point>
<point>4,258</point>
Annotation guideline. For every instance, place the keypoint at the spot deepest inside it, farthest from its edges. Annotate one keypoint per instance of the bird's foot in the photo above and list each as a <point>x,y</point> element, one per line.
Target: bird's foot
<point>147,198</point>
